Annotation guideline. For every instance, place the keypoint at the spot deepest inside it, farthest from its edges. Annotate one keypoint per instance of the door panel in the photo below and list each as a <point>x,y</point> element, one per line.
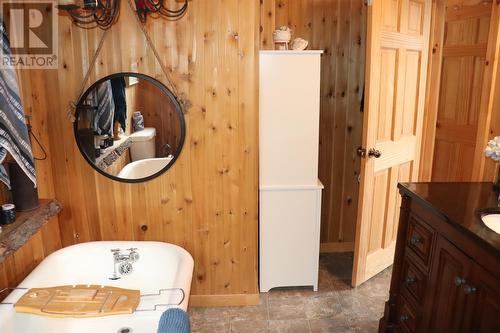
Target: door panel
<point>466,30</point>
<point>397,49</point>
<point>483,305</point>
<point>448,306</point>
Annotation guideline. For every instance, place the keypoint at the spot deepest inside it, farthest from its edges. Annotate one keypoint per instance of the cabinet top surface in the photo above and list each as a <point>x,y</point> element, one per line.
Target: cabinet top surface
<point>460,204</point>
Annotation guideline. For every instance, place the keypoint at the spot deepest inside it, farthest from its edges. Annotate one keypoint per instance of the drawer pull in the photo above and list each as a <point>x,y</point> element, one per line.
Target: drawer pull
<point>411,279</point>
<point>415,240</point>
<point>459,281</point>
<point>404,317</point>
<point>469,289</point>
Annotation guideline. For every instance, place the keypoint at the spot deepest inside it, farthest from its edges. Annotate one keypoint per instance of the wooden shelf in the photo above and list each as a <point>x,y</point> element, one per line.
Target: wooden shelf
<point>15,235</point>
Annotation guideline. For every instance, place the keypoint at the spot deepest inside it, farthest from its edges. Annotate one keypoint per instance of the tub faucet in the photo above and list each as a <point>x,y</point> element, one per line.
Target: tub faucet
<point>119,257</point>
<point>123,262</point>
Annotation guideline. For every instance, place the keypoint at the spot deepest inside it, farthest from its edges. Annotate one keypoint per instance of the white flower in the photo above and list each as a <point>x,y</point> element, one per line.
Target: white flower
<point>493,149</point>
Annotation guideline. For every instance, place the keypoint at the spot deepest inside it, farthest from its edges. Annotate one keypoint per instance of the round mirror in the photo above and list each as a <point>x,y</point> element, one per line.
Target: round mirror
<point>129,127</point>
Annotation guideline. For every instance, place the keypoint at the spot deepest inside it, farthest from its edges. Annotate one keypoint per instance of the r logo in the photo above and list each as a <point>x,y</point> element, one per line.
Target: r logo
<point>32,30</point>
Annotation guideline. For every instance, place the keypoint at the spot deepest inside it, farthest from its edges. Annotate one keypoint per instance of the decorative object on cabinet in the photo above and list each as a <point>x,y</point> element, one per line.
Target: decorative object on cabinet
<point>446,269</point>
<point>282,37</point>
<point>493,151</point>
<point>90,14</point>
<point>8,214</point>
<point>299,44</point>
<point>290,192</point>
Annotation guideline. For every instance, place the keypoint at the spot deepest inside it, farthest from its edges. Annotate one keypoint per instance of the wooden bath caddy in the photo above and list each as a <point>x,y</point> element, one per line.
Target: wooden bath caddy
<point>80,301</point>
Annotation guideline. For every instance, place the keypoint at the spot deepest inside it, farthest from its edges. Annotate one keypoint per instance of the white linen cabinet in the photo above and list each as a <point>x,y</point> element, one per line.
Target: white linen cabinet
<point>290,192</point>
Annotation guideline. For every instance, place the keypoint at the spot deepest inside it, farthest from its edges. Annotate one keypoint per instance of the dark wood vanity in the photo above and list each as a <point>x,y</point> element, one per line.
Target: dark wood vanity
<point>446,273</point>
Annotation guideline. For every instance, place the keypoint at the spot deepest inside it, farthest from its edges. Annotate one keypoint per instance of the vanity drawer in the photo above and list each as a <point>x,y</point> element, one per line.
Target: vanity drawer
<point>408,316</point>
<point>420,239</point>
<point>413,281</point>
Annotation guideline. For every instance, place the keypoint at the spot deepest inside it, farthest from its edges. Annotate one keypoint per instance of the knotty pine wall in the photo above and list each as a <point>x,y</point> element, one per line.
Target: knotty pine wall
<point>207,202</point>
<point>338,27</point>
<point>18,265</point>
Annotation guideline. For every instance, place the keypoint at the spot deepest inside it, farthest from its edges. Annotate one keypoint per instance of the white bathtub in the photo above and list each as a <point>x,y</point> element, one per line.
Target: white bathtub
<point>160,266</point>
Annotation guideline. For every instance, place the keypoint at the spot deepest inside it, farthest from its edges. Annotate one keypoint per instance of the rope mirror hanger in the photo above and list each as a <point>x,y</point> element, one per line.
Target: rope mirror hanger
<point>183,103</point>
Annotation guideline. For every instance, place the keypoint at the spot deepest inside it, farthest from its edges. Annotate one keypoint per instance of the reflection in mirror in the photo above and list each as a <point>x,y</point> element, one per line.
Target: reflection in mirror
<point>129,127</point>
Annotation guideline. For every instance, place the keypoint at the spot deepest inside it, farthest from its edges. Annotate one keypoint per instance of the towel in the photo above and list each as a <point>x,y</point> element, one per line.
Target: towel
<point>14,135</point>
<point>103,101</point>
<point>138,120</point>
<point>174,320</point>
<point>120,99</point>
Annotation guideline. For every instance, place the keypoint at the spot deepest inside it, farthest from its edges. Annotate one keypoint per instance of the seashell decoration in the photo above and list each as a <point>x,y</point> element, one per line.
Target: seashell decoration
<point>299,44</point>
<point>282,37</point>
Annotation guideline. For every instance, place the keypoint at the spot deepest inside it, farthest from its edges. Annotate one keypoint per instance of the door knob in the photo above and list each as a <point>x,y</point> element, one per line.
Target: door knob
<point>411,279</point>
<point>414,240</point>
<point>374,153</point>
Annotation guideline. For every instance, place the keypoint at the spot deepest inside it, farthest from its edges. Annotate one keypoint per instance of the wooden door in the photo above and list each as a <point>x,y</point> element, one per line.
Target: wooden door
<point>397,52</point>
<point>450,274</point>
<point>464,35</point>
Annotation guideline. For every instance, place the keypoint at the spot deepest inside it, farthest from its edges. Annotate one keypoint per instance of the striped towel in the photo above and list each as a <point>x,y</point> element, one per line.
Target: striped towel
<point>14,136</point>
<point>103,120</point>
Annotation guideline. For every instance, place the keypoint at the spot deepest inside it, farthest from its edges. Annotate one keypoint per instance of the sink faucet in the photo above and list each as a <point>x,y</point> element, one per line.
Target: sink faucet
<point>124,262</point>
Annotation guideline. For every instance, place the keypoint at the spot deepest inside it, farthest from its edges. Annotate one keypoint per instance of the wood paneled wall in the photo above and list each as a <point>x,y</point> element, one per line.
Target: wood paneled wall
<point>338,27</point>
<point>159,112</point>
<point>207,202</point>
<point>17,266</point>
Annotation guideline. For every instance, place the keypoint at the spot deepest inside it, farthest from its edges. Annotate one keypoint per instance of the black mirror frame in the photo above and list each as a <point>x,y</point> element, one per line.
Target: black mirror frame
<point>166,91</point>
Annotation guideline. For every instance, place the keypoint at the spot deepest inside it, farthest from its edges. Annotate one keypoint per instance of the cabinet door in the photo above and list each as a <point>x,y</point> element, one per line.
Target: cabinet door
<point>449,270</point>
<point>482,304</point>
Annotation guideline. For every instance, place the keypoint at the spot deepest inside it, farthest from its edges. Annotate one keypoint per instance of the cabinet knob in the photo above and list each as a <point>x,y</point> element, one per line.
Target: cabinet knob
<point>144,227</point>
<point>410,279</point>
<point>459,281</point>
<point>415,240</point>
<point>469,289</point>
<point>404,317</point>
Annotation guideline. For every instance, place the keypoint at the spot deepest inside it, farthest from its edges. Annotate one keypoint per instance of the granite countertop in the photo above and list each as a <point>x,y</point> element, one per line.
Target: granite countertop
<point>15,235</point>
<point>461,205</point>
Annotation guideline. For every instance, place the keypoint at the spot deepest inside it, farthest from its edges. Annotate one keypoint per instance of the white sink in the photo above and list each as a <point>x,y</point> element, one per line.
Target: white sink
<point>144,168</point>
<point>492,221</point>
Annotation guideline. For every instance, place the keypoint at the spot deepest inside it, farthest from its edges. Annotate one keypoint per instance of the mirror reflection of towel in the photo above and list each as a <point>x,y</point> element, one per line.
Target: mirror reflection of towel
<point>103,119</point>
<point>14,135</point>
<point>119,97</point>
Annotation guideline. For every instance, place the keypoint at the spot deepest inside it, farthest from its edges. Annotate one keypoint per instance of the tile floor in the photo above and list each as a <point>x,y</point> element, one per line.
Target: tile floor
<point>336,307</point>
